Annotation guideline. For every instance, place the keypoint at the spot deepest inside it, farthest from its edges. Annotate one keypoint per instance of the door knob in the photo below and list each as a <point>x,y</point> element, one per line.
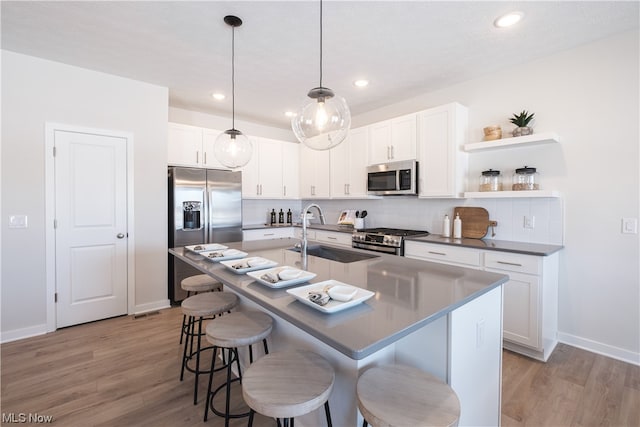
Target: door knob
<point>120,236</point>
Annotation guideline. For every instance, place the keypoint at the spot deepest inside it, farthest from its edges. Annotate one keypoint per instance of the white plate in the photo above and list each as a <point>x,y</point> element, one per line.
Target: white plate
<point>303,276</point>
<point>259,264</point>
<point>224,255</point>
<point>302,295</point>
<point>206,247</point>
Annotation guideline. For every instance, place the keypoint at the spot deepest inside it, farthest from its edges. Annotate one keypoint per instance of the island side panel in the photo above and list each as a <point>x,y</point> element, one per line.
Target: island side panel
<point>475,358</point>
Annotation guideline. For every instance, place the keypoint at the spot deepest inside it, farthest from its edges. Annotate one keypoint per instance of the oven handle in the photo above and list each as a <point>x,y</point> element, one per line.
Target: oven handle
<point>385,249</point>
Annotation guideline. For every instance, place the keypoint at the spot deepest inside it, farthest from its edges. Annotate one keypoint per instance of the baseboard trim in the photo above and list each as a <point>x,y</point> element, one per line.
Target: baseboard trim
<point>18,334</point>
<point>151,306</point>
<point>600,348</point>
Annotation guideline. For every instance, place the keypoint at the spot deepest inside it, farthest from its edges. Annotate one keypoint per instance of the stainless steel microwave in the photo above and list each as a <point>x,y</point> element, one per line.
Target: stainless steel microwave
<point>396,178</point>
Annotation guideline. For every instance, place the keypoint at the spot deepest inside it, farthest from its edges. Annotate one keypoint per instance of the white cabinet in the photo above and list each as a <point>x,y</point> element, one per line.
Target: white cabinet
<point>393,140</point>
<point>348,164</point>
<point>267,233</point>
<point>442,163</point>
<point>290,170</point>
<point>530,315</point>
<point>314,173</point>
<point>192,146</point>
<point>264,175</point>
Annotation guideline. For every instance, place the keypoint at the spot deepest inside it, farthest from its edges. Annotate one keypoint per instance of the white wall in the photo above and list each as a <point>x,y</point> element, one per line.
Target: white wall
<point>590,97</point>
<point>36,91</point>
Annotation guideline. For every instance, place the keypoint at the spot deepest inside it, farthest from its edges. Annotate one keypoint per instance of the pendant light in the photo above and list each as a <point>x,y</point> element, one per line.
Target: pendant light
<point>232,148</point>
<point>323,122</point>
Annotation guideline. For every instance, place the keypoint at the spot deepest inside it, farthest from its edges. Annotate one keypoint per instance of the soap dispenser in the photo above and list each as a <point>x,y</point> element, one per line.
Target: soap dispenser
<point>457,227</point>
<point>446,226</point>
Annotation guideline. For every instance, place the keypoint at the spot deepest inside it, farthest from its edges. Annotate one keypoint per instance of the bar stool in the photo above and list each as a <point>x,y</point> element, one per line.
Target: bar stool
<point>238,329</point>
<point>197,284</point>
<point>288,384</point>
<point>197,308</point>
<point>405,396</point>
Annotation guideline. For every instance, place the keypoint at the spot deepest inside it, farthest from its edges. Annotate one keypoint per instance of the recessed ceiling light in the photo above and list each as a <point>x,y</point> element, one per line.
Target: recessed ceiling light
<point>508,19</point>
<point>361,83</point>
<point>289,113</point>
<point>218,96</point>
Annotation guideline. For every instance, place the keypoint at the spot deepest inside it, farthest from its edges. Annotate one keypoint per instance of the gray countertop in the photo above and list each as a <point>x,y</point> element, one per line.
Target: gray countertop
<point>409,294</point>
<point>538,249</point>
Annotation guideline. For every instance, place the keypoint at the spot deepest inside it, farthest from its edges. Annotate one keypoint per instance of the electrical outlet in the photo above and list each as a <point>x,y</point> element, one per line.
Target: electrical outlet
<point>17,221</point>
<point>529,222</point>
<point>629,225</point>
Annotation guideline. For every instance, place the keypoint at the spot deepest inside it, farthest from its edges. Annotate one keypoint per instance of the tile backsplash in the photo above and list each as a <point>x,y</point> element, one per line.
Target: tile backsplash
<point>427,214</point>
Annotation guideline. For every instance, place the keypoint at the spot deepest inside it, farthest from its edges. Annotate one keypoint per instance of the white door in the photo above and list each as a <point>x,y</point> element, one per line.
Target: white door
<point>91,226</point>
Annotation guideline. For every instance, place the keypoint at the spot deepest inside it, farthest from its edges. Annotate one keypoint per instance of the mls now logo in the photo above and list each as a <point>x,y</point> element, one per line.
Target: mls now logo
<point>21,417</point>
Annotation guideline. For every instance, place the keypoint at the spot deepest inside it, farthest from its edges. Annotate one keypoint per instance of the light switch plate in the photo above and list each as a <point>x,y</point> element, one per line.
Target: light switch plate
<point>629,225</point>
<point>17,221</point>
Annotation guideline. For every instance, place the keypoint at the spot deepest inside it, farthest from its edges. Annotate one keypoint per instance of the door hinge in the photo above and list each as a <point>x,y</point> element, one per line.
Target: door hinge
<point>54,151</point>
<point>55,297</point>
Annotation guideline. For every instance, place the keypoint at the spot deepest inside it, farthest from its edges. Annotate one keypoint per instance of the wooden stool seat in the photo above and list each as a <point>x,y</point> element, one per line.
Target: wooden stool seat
<point>288,384</point>
<point>405,396</point>
<point>239,329</point>
<point>209,304</point>
<point>200,283</point>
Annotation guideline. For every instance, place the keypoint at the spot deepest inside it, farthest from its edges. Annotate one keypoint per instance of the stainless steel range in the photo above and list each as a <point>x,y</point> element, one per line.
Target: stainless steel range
<point>387,240</point>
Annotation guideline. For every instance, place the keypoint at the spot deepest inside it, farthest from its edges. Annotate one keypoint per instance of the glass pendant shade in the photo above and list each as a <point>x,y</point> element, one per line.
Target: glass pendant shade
<point>232,148</point>
<point>323,122</point>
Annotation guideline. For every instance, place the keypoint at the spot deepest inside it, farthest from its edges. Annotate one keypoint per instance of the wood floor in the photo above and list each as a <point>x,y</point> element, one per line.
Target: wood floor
<point>124,372</point>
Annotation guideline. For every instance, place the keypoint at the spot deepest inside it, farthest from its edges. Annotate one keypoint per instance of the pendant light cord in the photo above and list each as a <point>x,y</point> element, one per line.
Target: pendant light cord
<point>320,43</point>
<point>233,77</point>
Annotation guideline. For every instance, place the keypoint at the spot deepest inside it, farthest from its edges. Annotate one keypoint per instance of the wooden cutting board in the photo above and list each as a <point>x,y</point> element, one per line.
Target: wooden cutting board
<point>475,221</point>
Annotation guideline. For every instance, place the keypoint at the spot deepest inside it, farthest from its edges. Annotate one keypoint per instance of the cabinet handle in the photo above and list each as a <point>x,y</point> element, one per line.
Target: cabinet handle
<point>509,263</point>
<point>197,156</point>
<point>332,238</point>
<point>205,157</point>
<point>392,154</point>
<point>261,189</point>
<point>284,190</point>
<point>313,190</point>
<point>348,189</point>
<point>269,234</point>
<point>345,189</point>
<point>388,152</point>
<point>437,253</point>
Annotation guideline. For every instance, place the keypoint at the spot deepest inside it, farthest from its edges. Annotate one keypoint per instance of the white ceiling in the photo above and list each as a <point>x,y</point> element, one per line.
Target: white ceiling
<point>403,48</point>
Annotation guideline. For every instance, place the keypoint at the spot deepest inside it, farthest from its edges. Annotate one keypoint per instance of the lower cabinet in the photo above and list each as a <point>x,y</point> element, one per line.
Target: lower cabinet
<point>334,237</point>
<point>530,311</point>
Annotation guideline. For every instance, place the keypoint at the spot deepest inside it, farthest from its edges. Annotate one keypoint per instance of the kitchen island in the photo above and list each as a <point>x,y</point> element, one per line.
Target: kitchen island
<point>444,319</point>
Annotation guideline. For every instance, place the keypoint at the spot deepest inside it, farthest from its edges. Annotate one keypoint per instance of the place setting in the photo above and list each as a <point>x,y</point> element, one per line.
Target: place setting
<point>281,277</point>
<point>246,265</point>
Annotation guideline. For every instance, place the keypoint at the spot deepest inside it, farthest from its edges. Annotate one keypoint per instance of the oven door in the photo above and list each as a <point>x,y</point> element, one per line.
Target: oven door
<point>370,246</point>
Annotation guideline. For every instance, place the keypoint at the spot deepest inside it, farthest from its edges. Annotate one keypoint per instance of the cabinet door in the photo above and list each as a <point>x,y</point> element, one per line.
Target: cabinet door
<point>314,173</point>
<point>209,159</point>
<point>251,173</point>
<point>403,138</point>
<point>380,142</point>
<point>442,163</point>
<point>521,319</point>
<point>339,164</point>
<point>184,145</point>
<point>270,168</point>
<point>356,169</point>
<point>290,170</point>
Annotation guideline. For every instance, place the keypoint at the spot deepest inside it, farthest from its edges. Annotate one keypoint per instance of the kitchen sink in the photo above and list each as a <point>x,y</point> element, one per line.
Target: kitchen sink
<point>334,254</point>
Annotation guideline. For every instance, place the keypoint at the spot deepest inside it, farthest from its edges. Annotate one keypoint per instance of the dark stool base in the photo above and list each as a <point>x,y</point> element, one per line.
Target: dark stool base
<point>289,422</point>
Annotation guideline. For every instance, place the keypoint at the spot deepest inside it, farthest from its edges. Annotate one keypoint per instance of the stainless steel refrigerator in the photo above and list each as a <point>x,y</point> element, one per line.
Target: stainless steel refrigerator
<point>205,206</point>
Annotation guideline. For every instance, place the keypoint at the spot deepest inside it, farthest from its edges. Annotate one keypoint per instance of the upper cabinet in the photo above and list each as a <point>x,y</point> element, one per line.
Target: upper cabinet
<point>348,165</point>
<point>264,176</point>
<point>393,140</point>
<point>314,173</point>
<point>192,146</point>
<point>442,165</point>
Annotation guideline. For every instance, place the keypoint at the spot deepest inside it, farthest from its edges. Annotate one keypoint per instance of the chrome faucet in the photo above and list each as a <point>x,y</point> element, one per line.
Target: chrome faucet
<point>303,241</point>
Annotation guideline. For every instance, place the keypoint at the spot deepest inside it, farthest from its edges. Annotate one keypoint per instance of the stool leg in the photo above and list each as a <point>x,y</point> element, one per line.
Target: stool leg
<point>195,392</point>
<point>365,423</point>
<point>250,353</point>
<point>232,352</point>
<point>266,348</point>
<point>251,412</point>
<point>186,344</point>
<point>184,320</point>
<point>209,392</point>
<point>328,413</point>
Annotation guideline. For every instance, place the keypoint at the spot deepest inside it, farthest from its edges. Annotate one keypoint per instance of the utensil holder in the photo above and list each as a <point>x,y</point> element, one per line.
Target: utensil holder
<point>358,223</point>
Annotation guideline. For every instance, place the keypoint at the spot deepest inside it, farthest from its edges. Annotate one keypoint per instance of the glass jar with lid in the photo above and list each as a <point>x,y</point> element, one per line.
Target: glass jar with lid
<point>490,180</point>
<point>526,178</point>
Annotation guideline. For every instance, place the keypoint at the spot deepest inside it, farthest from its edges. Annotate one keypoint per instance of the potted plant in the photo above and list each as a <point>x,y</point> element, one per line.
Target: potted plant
<point>522,122</point>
